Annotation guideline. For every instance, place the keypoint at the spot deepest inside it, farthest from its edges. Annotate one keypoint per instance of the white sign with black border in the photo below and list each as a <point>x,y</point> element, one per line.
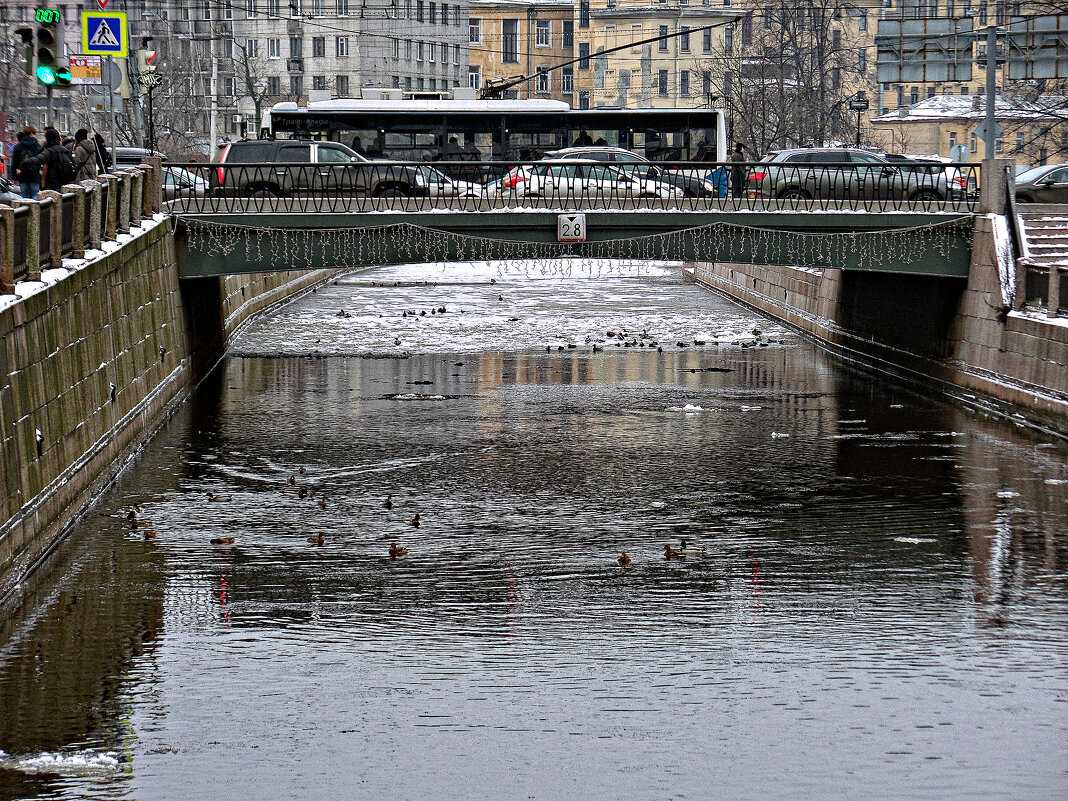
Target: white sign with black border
<point>571,228</point>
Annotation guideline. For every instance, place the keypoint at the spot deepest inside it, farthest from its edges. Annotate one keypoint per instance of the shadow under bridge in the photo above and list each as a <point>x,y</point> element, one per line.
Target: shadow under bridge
<point>903,242</point>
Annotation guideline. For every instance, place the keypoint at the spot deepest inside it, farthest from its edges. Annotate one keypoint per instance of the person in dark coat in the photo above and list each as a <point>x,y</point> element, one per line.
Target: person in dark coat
<point>49,158</point>
<point>28,176</point>
<point>103,155</point>
<point>84,156</point>
<point>739,172</point>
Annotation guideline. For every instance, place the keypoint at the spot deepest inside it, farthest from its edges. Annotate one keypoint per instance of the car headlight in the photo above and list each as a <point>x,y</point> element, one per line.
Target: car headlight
<point>419,179</point>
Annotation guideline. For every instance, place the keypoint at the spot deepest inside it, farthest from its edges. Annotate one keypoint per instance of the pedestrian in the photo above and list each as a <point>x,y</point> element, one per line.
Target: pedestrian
<point>103,157</point>
<point>56,160</point>
<point>739,172</point>
<point>28,176</point>
<point>84,156</point>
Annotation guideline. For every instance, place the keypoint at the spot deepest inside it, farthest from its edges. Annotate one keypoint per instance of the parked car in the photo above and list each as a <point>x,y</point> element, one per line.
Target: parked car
<point>957,177</point>
<point>133,155</point>
<point>693,183</point>
<point>1045,184</point>
<point>179,183</point>
<point>580,181</point>
<point>845,173</point>
<point>254,168</point>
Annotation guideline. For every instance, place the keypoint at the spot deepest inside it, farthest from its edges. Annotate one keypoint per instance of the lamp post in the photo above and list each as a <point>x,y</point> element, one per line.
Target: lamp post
<point>859,104</point>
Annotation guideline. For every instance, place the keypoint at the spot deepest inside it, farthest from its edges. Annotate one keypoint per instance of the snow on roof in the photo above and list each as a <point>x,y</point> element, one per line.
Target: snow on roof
<point>973,107</point>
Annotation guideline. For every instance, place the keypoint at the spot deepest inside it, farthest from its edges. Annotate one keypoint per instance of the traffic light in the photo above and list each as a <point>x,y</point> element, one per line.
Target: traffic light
<point>47,20</point>
<point>146,62</point>
<point>24,45</point>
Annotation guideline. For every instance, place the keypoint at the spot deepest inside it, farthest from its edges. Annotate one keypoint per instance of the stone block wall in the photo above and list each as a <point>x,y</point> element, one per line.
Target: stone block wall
<point>91,367</point>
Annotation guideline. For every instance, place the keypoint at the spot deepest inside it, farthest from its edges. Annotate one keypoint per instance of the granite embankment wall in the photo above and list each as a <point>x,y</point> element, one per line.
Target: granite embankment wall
<point>91,365</point>
<point>954,334</point>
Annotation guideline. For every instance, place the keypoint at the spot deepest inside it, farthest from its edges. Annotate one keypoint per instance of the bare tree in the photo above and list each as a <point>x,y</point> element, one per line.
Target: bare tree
<point>250,79</point>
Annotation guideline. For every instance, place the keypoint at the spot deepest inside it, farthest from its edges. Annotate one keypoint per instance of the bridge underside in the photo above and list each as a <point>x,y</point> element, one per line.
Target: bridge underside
<point>908,243</point>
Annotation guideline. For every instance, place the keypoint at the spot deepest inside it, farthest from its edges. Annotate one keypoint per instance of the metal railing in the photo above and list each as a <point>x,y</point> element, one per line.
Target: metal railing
<point>576,185</point>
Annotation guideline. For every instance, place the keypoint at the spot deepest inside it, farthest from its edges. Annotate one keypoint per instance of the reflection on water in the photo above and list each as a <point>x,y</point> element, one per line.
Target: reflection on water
<point>872,604</point>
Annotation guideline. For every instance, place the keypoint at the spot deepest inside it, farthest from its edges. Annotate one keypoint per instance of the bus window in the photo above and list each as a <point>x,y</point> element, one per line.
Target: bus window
<point>362,141</point>
<point>703,147</point>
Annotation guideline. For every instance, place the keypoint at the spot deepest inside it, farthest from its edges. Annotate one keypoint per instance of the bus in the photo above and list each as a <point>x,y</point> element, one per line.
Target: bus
<point>500,130</point>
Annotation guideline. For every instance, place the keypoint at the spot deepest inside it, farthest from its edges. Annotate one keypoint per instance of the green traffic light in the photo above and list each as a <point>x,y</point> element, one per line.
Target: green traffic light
<point>46,75</point>
<point>63,75</point>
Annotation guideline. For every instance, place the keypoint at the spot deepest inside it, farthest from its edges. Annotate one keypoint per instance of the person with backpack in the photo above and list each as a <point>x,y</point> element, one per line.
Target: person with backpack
<point>57,161</point>
<point>84,156</point>
<point>28,175</point>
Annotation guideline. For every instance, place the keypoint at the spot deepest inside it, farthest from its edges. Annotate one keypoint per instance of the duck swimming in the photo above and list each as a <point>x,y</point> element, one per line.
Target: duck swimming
<point>690,550</point>
<point>415,521</point>
<point>317,540</point>
<point>219,498</point>
<point>387,502</point>
<point>150,534</point>
<point>671,553</point>
<point>623,559</point>
<point>397,550</point>
<point>222,541</point>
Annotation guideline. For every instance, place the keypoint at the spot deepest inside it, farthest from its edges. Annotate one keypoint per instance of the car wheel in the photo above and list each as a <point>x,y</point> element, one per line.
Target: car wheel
<point>927,196</point>
<point>1024,199</point>
<point>795,194</point>
<point>391,193</point>
<point>263,192</point>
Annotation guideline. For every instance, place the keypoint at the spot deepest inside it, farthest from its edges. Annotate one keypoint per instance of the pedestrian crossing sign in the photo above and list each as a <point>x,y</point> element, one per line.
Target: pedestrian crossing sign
<point>104,33</point>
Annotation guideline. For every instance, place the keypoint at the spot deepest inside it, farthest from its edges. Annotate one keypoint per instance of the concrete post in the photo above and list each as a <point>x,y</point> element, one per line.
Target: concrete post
<point>125,185</point>
<point>33,241</point>
<point>78,223</point>
<point>1054,291</point>
<point>96,211</point>
<point>1021,285</point>
<point>52,205</point>
<point>995,185</point>
<point>153,185</point>
<point>111,217</point>
<point>7,250</point>
<point>137,183</point>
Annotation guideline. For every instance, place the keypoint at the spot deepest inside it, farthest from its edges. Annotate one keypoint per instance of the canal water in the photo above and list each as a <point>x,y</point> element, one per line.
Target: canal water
<point>872,602</point>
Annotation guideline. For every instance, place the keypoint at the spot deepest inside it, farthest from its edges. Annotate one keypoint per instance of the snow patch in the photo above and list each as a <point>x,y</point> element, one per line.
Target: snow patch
<point>689,408</point>
<point>75,763</point>
<point>1006,263</point>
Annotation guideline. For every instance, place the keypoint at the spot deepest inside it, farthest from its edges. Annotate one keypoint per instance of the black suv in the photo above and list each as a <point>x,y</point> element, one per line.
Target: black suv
<point>286,167</point>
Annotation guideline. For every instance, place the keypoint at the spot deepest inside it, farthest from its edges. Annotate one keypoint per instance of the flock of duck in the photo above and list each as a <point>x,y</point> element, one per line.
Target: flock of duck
<point>137,522</point>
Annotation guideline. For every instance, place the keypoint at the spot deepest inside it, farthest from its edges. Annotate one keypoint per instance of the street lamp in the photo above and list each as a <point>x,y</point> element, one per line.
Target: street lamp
<point>859,104</point>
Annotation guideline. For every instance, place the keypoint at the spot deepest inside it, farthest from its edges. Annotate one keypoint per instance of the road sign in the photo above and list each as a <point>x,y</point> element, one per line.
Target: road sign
<point>1038,48</point>
<point>981,132</point>
<point>924,50</point>
<point>104,33</point>
<point>103,4</point>
<point>9,148</point>
<point>959,153</point>
<point>85,70</point>
<point>859,105</point>
<point>571,228</point>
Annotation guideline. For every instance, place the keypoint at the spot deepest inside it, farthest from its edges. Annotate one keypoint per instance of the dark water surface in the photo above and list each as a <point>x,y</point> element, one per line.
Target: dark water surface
<point>876,609</point>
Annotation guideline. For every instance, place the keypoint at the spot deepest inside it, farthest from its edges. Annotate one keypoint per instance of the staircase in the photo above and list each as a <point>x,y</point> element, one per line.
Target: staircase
<point>1045,234</point>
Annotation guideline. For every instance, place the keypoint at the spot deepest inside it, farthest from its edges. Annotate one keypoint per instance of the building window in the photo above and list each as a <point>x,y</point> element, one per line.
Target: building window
<point>419,10</point>
<point>584,56</point>
<point>408,12</point>
<point>250,9</point>
<point>318,47</point>
<point>296,85</point>
<point>584,15</point>
<point>862,60</point>
<point>274,86</point>
<point>684,83</point>
<point>543,33</point>
<point>706,41</point>
<point>341,46</point>
<point>445,14</point>
<point>252,48</point>
<point>914,96</point>
<point>567,80</point>
<point>836,39</point>
<point>408,82</point>
<point>228,10</point>
<point>474,76</point>
<point>433,84</point>
<point>296,47</point>
<point>396,48</point>
<point>420,84</point>
<point>433,13</point>
<point>964,91</point>
<point>931,91</point>
<point>862,21</point>
<point>420,50</point>
<point>999,145</point>
<point>584,99</point>
<point>768,17</point>
<point>836,78</point>
<point>662,44</point>
<point>342,8</point>
<point>396,82</point>
<point>431,47</point>
<point>274,8</point>
<point>341,86</point>
<point>542,82</point>
<point>728,41</point>
<point>973,144</point>
<point>318,83</point>
<point>747,29</point>
<point>982,14</point>
<point>318,8</point>
<point>408,49</point>
<point>274,48</point>
<point>900,96</point>
<point>1019,142</point>
<point>662,83</point>
<point>510,41</point>
<point>474,26</point>
<point>456,55</point>
<point>706,82</point>
<point>1043,156</point>
<point>569,34</point>
<point>456,18</point>
<point>684,39</point>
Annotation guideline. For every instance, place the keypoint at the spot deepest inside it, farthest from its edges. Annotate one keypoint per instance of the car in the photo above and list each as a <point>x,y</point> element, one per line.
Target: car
<point>692,183</point>
<point>133,155</point>
<point>845,173</point>
<point>1045,184</point>
<point>286,167</point>
<point>957,176</point>
<point>579,180</point>
<point>439,184</point>
<point>178,182</point>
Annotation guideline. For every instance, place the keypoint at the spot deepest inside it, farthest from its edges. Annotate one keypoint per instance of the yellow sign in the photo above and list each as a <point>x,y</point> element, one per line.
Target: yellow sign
<point>104,33</point>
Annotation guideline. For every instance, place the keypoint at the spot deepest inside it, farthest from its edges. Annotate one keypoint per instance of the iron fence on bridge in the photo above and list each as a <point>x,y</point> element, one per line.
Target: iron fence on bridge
<point>569,185</point>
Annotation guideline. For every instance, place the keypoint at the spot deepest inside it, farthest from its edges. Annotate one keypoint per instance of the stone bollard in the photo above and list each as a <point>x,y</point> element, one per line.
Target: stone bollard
<point>137,183</point>
<point>125,185</point>
<point>77,228</point>
<point>111,213</point>
<point>52,206</point>
<point>7,250</point>
<point>33,240</point>
<point>153,201</point>
<point>996,184</point>
<point>95,199</point>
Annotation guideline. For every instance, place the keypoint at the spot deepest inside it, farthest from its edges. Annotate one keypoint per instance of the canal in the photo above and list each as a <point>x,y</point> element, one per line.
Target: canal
<point>872,602</point>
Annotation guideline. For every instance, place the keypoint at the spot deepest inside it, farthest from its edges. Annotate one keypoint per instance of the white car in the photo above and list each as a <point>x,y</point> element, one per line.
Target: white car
<point>579,180</point>
<point>439,184</point>
<point>178,183</point>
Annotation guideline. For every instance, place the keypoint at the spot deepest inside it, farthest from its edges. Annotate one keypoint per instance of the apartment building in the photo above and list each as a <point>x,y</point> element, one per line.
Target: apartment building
<point>513,38</point>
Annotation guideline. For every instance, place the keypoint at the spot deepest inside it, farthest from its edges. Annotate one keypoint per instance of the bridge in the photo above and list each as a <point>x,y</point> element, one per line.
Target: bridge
<point>259,217</point>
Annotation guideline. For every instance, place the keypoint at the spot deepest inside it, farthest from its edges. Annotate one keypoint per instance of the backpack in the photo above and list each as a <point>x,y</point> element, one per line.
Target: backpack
<point>61,166</point>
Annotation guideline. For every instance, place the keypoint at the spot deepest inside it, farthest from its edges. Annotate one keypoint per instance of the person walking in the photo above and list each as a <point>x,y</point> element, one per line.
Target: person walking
<point>103,157</point>
<point>57,161</point>
<point>739,172</point>
<point>28,176</point>
<point>84,156</point>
